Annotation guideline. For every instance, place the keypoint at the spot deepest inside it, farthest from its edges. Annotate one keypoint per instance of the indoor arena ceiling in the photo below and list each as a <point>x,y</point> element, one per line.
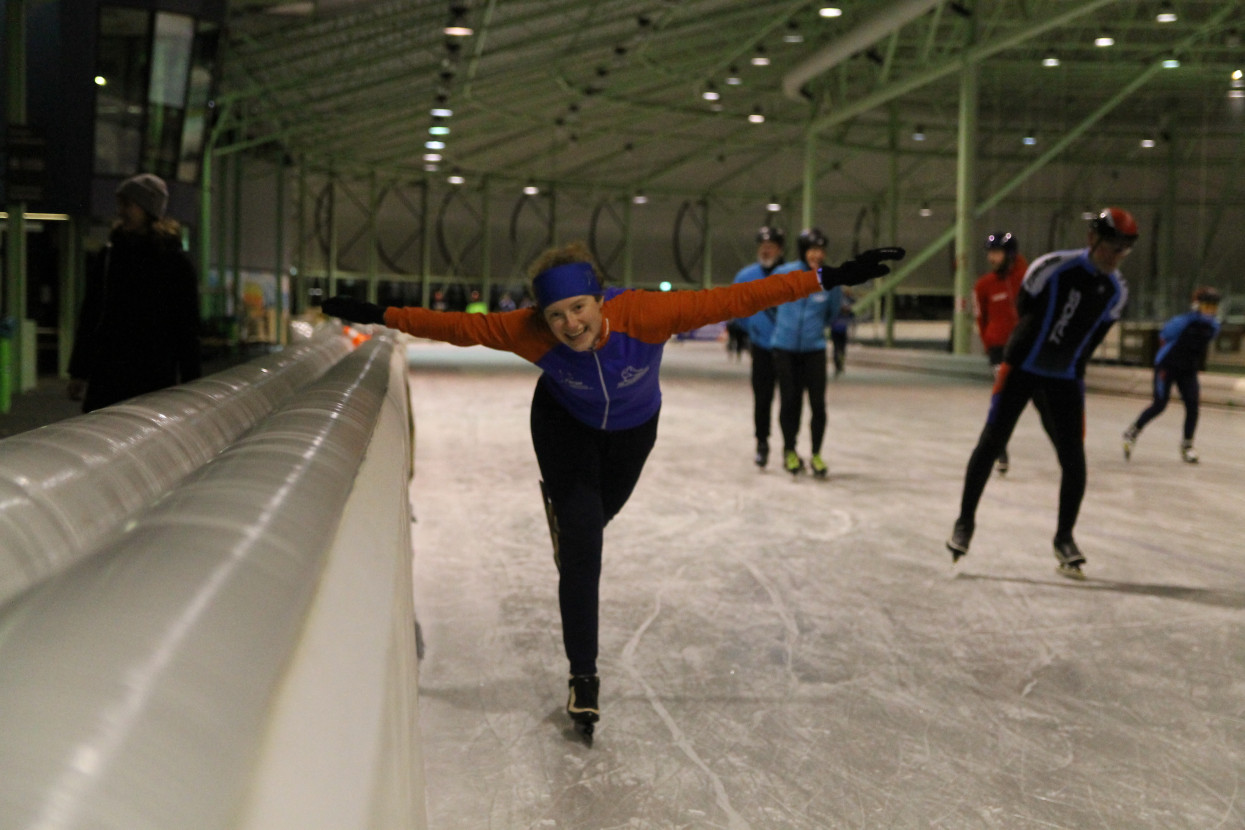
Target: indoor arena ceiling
<point>611,95</point>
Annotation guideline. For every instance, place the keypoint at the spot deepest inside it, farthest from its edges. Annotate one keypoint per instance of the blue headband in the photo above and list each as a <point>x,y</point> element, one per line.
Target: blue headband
<point>571,280</point>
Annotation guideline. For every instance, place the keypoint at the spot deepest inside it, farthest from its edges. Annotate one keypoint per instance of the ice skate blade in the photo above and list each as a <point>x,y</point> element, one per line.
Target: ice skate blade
<point>584,731</point>
<point>957,552</point>
<point>1070,571</point>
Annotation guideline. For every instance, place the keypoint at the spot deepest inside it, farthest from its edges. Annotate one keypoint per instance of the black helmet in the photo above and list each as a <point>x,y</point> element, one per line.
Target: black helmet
<point>811,238</point>
<point>1206,295</point>
<point>1115,223</point>
<point>1001,239</point>
<point>768,233</point>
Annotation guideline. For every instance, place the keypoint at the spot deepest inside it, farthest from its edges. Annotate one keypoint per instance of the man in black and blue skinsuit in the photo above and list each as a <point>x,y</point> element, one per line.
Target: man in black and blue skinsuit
<point>1067,303</point>
<point>1183,343</point>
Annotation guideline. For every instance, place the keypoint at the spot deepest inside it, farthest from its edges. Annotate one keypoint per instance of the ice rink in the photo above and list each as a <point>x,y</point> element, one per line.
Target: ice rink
<point>780,653</point>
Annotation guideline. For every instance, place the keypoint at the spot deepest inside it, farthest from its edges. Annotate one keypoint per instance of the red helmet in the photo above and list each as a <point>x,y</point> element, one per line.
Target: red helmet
<point>1115,223</point>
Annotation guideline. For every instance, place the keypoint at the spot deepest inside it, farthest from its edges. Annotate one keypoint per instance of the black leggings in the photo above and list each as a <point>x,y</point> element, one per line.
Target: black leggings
<point>797,372</point>
<point>762,390</point>
<point>589,475</point>
<point>1190,393</point>
<point>1061,405</point>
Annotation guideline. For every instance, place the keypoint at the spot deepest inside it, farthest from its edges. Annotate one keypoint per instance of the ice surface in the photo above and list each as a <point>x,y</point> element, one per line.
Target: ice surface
<point>801,654</point>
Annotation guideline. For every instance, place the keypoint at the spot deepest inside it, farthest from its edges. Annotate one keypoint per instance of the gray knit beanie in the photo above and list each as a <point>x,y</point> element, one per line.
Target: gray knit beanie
<point>147,191</point>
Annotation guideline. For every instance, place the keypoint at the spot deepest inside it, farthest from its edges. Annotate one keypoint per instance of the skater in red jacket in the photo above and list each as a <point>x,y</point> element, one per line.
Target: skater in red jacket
<point>994,302</point>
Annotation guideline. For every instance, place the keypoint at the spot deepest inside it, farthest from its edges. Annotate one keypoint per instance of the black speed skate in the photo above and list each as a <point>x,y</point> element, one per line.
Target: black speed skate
<point>1070,559</point>
<point>581,703</point>
<point>958,541</point>
<point>762,456</point>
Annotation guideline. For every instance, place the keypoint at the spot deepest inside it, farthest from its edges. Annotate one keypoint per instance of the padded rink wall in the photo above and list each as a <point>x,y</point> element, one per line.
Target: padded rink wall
<point>205,604</point>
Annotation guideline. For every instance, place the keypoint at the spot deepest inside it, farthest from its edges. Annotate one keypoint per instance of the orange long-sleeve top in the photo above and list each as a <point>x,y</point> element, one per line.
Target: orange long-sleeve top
<point>615,384</point>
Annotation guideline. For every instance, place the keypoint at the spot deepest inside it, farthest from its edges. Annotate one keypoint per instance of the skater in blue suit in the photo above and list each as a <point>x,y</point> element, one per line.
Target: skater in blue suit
<point>1183,344</point>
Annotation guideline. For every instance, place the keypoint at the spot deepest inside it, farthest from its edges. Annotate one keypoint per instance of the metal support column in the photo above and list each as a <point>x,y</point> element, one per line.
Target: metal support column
<point>235,258</point>
<point>425,242</point>
<point>373,242</point>
<point>19,370</point>
<point>965,200</point>
<point>893,190</point>
<point>278,266</point>
<point>71,269</point>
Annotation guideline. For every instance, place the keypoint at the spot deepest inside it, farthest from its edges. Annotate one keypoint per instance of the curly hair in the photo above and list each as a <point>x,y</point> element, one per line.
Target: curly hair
<point>563,255</point>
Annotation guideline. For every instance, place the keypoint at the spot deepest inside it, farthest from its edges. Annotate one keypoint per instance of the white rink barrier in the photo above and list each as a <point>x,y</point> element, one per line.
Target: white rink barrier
<point>240,654</point>
<point>64,488</point>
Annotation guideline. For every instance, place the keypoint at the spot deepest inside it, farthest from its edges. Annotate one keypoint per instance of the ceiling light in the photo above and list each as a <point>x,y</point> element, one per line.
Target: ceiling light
<point>733,79</point>
<point>1237,76</point>
<point>1104,40</point>
<point>1236,93</point>
<point>925,211</point>
<point>773,206</point>
<point>1087,215</point>
<point>1050,60</point>
<point>430,167</point>
<point>710,94</point>
<point>1167,14</point>
<point>760,58</point>
<point>100,80</point>
<point>1029,139</point>
<point>438,129</point>
<point>456,179</point>
<point>434,145</point>
<point>919,134</point>
<point>830,11</point>
<point>458,31</point>
<point>531,190</point>
<point>1171,63</point>
<point>1147,143</point>
<point>441,112</point>
<point>756,117</point>
<point>639,199</point>
<point>793,33</point>
<point>432,156</point>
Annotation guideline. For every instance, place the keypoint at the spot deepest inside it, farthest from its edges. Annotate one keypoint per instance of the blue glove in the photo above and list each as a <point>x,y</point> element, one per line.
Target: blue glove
<point>352,310</point>
<point>866,266</point>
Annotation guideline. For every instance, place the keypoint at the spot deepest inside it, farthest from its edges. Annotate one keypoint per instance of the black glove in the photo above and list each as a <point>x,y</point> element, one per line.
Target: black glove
<point>865,266</point>
<point>352,310</point>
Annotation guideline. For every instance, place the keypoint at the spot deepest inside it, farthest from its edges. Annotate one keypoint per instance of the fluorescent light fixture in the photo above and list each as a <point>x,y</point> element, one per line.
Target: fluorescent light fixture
<point>1104,40</point>
<point>639,199</point>
<point>756,118</point>
<point>773,206</point>
<point>1148,143</point>
<point>710,95</point>
<point>531,190</point>
<point>1171,63</point>
<point>434,145</point>
<point>458,31</point>
<point>830,11</point>
<point>430,167</point>
<point>456,179</point>
<point>1050,60</point>
<point>1167,13</point>
<point>441,112</point>
<point>438,129</point>
<point>432,156</point>
<point>925,211</point>
<point>665,286</point>
<point>100,80</point>
<point>919,134</point>
<point>1029,140</point>
<point>760,58</point>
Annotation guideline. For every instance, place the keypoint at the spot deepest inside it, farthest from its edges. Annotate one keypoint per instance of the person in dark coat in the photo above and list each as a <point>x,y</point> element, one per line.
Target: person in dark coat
<point>138,329</point>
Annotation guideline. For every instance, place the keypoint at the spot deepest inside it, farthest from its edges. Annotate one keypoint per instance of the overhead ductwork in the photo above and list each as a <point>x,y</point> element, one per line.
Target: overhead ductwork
<point>857,40</point>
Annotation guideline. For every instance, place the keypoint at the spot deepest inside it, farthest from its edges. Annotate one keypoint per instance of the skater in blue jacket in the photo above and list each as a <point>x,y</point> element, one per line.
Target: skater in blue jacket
<point>799,344</point>
<point>760,329</point>
<point>1183,344</point>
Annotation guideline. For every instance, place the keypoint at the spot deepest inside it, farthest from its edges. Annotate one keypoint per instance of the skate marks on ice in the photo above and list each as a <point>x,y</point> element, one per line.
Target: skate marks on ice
<point>777,656</point>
